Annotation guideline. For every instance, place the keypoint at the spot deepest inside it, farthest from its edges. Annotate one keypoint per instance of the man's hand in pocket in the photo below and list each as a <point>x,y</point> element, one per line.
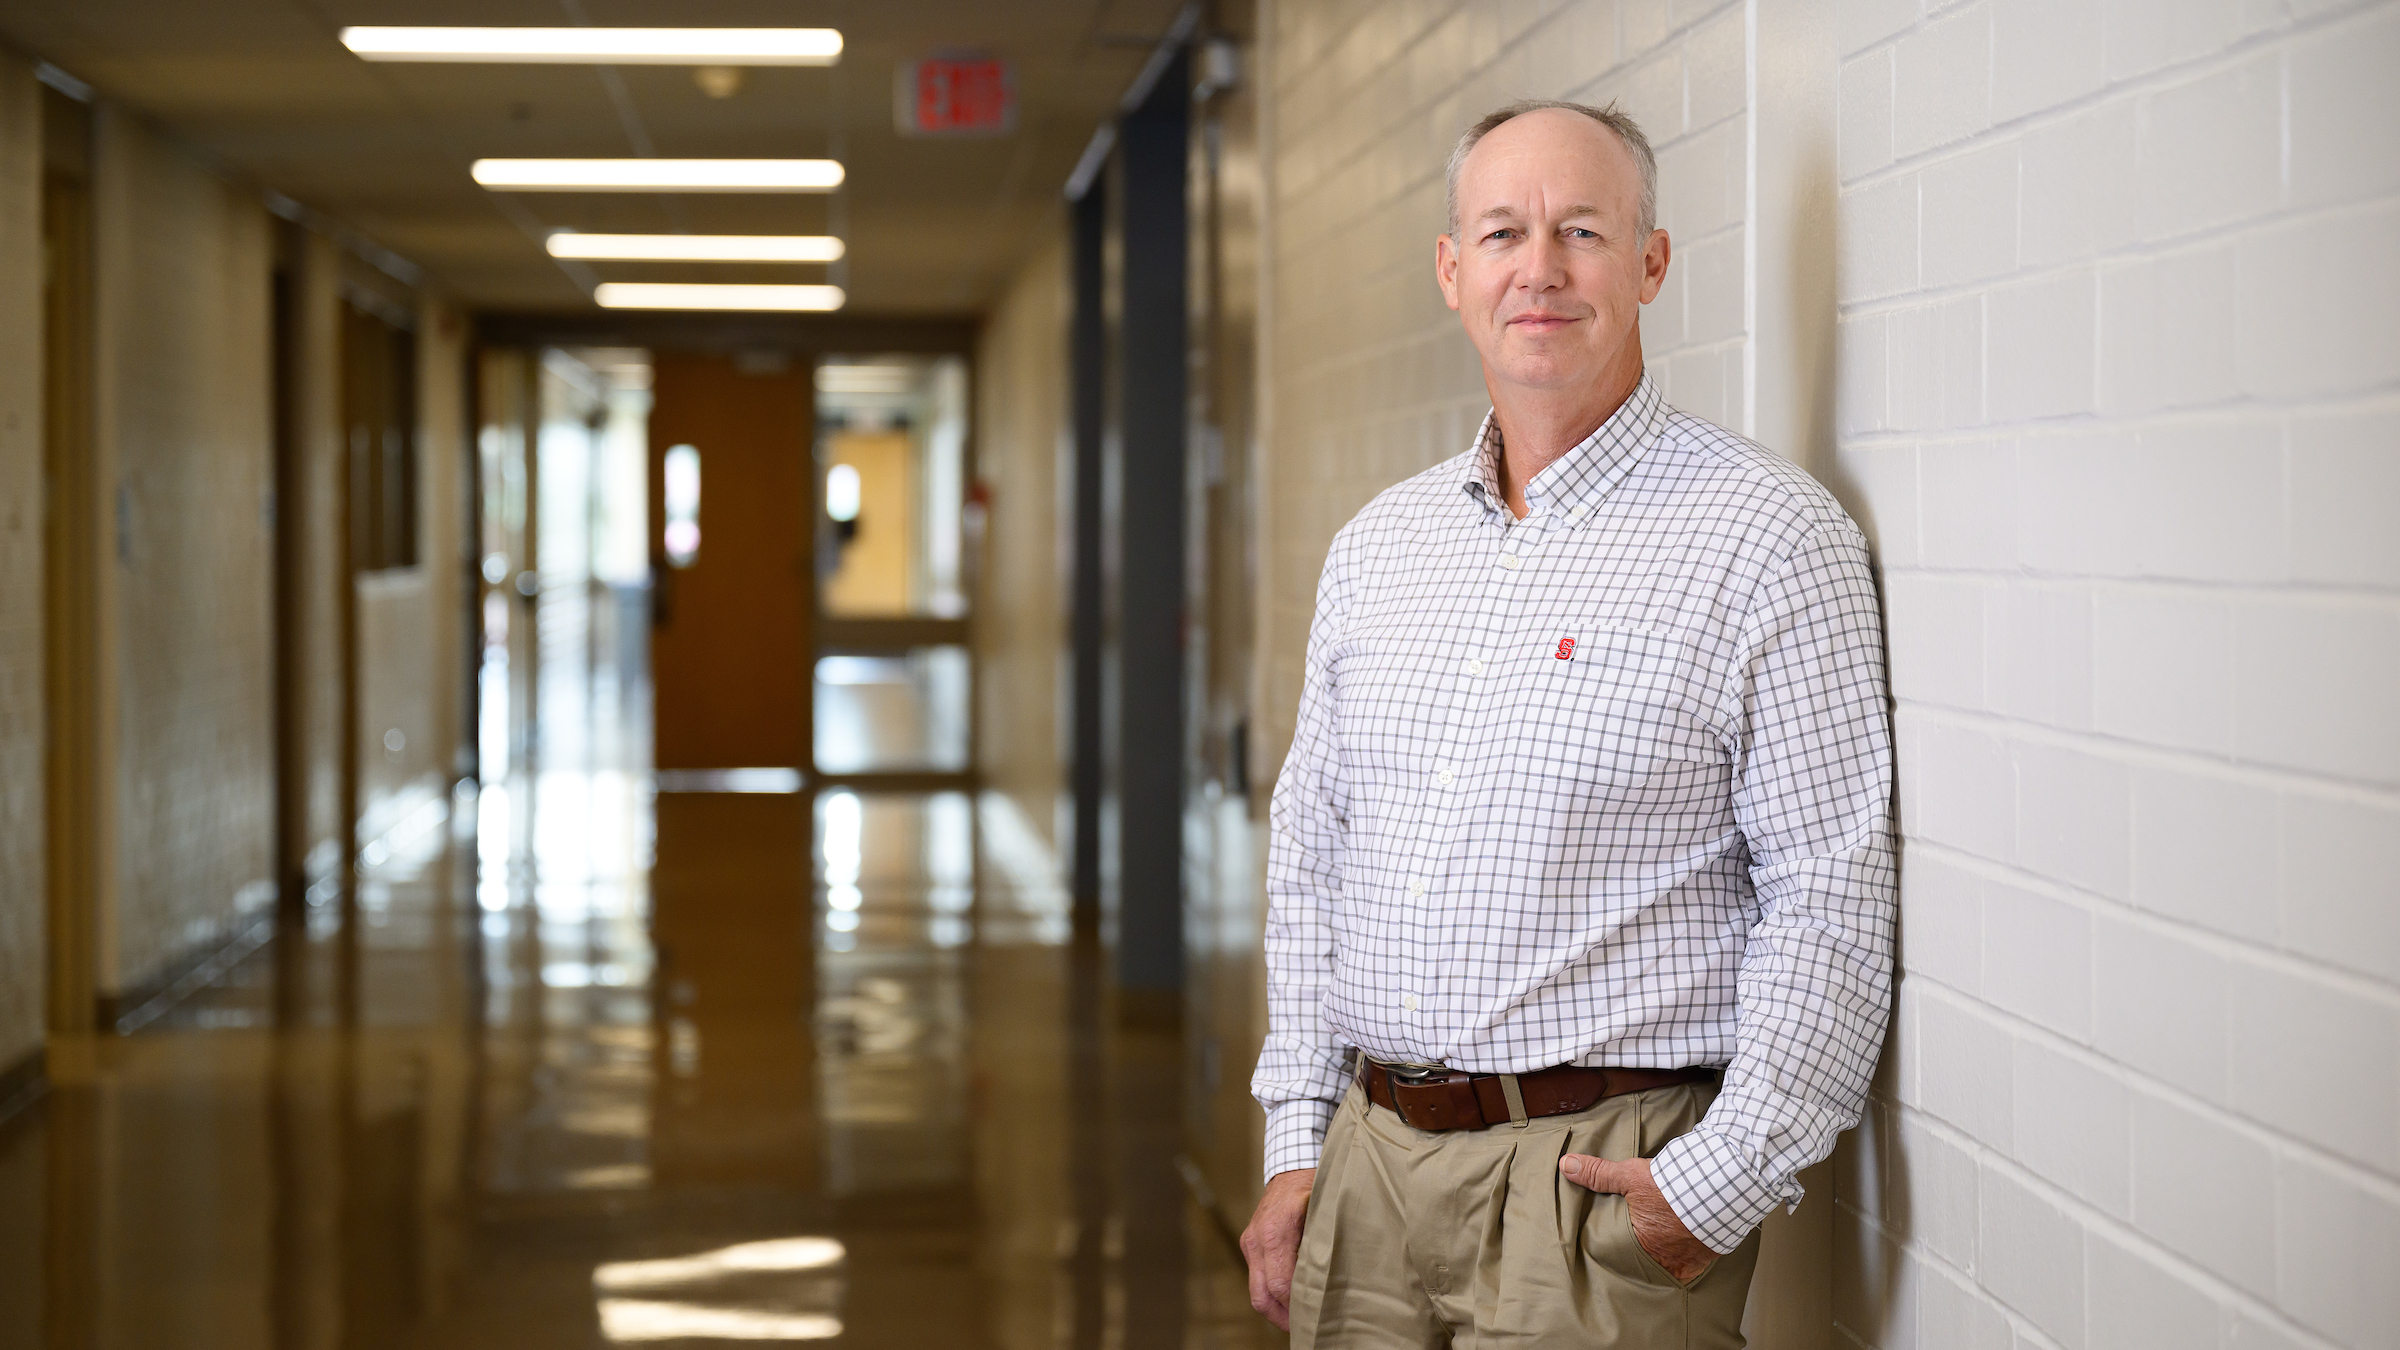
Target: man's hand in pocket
<point>1655,1224</point>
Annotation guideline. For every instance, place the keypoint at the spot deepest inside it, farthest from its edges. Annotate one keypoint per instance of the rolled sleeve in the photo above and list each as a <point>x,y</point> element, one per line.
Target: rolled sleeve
<point>1813,800</point>
<point>1719,1188</point>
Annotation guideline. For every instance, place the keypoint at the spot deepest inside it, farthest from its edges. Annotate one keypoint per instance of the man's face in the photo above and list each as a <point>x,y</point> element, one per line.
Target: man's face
<point>1547,272</point>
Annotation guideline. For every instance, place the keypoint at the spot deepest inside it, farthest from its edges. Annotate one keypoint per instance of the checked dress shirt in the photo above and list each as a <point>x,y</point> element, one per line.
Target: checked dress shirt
<point>1607,785</point>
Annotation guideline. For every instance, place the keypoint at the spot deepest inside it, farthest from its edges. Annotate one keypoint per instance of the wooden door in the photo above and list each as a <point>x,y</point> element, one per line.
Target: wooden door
<point>729,637</point>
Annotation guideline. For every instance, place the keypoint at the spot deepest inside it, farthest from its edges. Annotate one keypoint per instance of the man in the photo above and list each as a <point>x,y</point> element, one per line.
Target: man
<point>1580,866</point>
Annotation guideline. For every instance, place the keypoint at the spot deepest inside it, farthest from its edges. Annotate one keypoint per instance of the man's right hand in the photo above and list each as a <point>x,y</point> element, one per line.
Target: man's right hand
<point>1271,1244</point>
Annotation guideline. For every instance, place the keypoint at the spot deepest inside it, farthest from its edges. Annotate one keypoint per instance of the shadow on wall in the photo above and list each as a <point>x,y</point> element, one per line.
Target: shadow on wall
<point>1871,1204</point>
<point>1858,1277</point>
<point>1870,1197</point>
<point>1829,1264</point>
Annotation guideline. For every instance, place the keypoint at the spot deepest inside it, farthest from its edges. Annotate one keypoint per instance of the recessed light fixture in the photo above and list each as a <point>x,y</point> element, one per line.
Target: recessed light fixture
<point>601,46</point>
<point>679,295</point>
<point>659,175</point>
<point>799,248</point>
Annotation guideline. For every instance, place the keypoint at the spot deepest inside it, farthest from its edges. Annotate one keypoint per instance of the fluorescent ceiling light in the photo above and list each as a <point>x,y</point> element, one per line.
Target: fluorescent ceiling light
<point>671,295</point>
<point>659,175</point>
<point>609,46</point>
<point>697,247</point>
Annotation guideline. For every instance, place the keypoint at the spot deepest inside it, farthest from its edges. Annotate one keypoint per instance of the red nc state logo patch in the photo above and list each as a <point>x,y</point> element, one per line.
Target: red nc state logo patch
<point>1566,649</point>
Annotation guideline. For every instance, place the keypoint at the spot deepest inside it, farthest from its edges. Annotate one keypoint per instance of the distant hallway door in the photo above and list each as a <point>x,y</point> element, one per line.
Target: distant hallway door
<point>733,555</point>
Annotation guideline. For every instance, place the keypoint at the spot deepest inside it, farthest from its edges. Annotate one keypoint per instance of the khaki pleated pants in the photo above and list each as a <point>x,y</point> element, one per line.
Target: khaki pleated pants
<point>1472,1238</point>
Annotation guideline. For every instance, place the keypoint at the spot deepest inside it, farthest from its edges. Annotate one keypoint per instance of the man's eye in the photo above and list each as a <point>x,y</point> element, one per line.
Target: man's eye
<point>1501,234</point>
<point>1578,232</point>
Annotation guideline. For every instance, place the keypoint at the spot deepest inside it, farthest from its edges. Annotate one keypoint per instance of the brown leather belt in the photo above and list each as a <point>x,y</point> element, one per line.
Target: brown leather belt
<point>1444,1099</point>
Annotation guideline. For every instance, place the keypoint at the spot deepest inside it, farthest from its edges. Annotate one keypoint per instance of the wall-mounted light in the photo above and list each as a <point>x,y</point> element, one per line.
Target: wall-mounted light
<point>601,46</point>
<point>798,248</point>
<point>696,295</point>
<point>659,175</point>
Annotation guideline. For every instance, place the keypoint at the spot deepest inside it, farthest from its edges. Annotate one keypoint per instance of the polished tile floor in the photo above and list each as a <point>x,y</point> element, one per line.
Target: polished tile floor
<point>597,1064</point>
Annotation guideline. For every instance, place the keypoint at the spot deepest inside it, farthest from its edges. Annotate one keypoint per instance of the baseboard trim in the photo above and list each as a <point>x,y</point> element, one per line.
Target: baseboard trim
<point>23,1083</point>
<point>130,1010</point>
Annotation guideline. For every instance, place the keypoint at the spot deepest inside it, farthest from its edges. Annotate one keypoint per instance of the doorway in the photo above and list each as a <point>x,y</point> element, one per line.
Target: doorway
<point>808,534</point>
<point>893,680</point>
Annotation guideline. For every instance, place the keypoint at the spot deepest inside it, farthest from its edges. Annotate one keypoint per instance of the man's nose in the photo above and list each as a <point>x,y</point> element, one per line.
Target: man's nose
<point>1545,267</point>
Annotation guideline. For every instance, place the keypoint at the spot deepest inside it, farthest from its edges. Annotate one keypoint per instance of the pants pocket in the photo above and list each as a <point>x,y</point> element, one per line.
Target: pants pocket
<point>1651,1269</point>
<point>1608,1242</point>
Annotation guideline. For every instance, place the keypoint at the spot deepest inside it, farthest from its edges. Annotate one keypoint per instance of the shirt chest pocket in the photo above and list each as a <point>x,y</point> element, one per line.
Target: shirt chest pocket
<point>1608,706</point>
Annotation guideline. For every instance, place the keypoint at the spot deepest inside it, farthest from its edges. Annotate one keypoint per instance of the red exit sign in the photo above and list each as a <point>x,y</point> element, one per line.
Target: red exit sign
<point>957,96</point>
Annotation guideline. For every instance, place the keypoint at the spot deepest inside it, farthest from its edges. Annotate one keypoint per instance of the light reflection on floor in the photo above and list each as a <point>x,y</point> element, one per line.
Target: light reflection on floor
<point>604,1064</point>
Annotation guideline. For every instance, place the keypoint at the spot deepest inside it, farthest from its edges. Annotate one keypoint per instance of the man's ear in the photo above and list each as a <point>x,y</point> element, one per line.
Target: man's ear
<point>1445,268</point>
<point>1654,265</point>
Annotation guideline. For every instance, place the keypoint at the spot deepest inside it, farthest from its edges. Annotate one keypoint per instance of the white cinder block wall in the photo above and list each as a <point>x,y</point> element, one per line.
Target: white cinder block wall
<point>2111,300</point>
<point>2119,297</point>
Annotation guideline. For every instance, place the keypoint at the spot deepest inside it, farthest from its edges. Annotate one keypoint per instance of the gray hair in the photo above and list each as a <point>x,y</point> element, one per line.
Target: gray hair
<point>1628,131</point>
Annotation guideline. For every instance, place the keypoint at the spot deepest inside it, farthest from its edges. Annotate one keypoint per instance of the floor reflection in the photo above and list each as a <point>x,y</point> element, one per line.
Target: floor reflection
<point>586,1062</point>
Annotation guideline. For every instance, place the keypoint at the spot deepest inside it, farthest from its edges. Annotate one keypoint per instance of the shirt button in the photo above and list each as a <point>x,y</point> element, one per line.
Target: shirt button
<point>1578,512</point>
<point>1409,1001</point>
<point>1510,561</point>
<point>1442,776</point>
<point>1475,667</point>
<point>1416,885</point>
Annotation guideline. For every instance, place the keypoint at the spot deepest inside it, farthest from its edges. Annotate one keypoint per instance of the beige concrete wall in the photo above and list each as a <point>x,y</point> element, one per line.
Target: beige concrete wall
<point>1021,615</point>
<point>183,264</point>
<point>23,950</point>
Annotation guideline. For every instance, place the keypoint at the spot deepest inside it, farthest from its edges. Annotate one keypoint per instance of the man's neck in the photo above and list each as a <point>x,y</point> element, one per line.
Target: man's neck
<point>1539,425</point>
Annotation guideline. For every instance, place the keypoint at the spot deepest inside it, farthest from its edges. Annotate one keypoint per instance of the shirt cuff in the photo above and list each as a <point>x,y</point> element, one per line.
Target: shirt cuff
<point>1296,1133</point>
<point>1714,1185</point>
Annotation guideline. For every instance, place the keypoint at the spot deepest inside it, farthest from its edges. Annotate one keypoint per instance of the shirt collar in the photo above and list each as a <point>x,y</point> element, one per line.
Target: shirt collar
<point>1584,475</point>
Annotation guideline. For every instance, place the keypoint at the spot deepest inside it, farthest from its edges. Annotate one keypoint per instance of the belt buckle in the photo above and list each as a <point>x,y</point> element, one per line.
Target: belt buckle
<point>1434,1097</point>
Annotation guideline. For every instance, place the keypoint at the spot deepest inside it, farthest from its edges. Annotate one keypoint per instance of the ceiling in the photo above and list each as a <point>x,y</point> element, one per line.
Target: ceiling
<point>933,225</point>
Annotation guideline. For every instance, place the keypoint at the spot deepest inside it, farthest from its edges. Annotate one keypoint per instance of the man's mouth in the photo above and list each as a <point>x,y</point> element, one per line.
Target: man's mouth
<point>1541,322</point>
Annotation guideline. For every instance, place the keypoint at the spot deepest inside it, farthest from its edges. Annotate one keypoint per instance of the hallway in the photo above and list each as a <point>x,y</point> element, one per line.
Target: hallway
<point>645,672</point>
<point>603,1064</point>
